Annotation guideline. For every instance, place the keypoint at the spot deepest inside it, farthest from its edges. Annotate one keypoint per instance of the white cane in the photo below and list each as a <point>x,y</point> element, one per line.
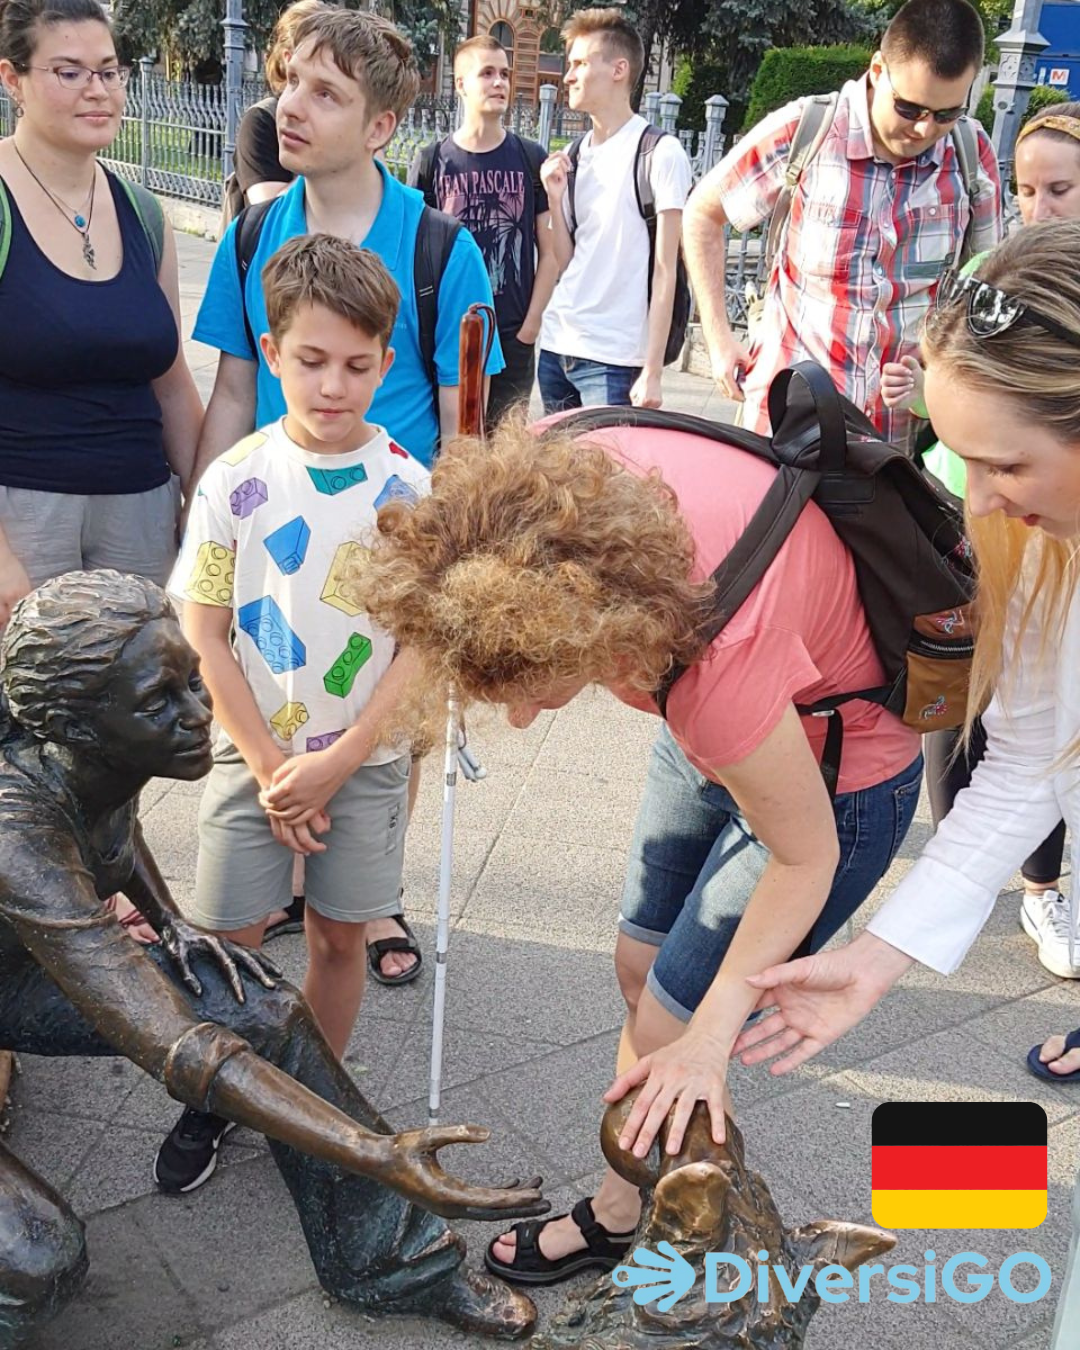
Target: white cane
<point>476,337</point>
<point>442,923</point>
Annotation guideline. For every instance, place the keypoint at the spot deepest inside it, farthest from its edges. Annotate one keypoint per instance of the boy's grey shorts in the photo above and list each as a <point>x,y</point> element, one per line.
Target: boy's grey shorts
<point>244,874</point>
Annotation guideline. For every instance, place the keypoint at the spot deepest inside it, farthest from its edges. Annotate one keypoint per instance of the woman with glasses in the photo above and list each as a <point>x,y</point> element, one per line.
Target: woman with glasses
<point>99,415</point>
<point>1047,171</point>
<point>1002,354</point>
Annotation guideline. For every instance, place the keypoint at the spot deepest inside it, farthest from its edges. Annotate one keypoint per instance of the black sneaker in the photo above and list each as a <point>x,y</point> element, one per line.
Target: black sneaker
<point>189,1155</point>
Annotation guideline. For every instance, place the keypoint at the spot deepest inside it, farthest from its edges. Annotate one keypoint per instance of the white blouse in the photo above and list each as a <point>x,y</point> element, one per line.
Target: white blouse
<point>1019,792</point>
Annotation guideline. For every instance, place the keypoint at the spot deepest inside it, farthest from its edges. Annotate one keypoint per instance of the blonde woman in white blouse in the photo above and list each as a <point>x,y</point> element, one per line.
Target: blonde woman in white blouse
<point>1003,390</point>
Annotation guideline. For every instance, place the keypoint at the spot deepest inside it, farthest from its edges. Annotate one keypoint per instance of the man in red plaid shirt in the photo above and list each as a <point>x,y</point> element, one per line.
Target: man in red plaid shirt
<point>878,215</point>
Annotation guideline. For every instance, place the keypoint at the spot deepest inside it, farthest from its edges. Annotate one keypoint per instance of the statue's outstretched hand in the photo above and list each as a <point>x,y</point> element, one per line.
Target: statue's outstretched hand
<point>413,1170</point>
<point>182,941</point>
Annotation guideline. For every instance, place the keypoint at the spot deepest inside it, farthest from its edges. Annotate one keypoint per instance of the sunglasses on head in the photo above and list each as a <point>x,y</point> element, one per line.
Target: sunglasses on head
<point>991,311</point>
<point>912,112</point>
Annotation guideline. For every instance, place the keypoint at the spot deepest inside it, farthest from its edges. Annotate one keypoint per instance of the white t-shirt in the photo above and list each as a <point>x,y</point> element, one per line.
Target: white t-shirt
<point>600,308</point>
<point>272,532</point>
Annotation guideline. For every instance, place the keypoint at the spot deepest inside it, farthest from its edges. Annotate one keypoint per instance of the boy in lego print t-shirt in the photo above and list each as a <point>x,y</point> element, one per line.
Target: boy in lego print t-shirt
<point>301,679</point>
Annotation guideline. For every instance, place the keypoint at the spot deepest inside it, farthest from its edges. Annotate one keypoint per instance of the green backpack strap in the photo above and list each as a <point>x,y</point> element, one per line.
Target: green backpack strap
<point>151,217</point>
<point>5,228</point>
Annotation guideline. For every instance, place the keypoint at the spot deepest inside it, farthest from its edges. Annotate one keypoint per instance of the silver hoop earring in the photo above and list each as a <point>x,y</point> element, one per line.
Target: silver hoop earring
<point>18,111</point>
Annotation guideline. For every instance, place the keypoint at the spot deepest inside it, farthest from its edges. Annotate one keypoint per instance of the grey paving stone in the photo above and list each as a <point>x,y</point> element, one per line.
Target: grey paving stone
<point>467,1055</point>
<point>513,984</point>
<point>561,806</point>
<point>52,1145</point>
<point>549,1100</point>
<point>566,892</point>
<point>240,1231</point>
<point>91,1088</point>
<point>944,1070</point>
<point>130,1301</point>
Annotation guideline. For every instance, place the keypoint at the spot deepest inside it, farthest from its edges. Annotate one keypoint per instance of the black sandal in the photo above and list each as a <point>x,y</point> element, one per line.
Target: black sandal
<point>377,950</point>
<point>293,922</point>
<point>530,1266</point>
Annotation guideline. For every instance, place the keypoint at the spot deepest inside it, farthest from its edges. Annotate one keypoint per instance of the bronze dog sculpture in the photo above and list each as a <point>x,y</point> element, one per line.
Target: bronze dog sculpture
<point>706,1200</point>
<point>101,693</point>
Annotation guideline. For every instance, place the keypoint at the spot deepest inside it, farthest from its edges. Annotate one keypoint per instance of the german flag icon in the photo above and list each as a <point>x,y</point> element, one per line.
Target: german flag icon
<point>959,1165</point>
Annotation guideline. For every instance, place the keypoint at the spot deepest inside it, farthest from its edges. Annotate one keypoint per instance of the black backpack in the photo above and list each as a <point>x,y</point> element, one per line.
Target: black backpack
<point>913,564</point>
<point>435,237</point>
<point>680,310</point>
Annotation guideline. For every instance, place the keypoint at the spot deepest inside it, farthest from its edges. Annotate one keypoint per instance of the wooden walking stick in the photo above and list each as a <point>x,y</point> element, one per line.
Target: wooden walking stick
<point>477,334</point>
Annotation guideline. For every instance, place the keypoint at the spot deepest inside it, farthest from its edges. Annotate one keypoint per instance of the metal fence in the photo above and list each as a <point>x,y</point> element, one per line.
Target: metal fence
<point>173,134</point>
<point>172,139</point>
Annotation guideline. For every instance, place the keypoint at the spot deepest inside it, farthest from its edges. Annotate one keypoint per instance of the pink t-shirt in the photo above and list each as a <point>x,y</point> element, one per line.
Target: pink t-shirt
<point>801,635</point>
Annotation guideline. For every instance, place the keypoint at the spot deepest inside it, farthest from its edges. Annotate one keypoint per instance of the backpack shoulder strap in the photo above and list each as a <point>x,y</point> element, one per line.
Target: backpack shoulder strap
<point>814,125</point>
<point>429,157</point>
<point>574,151</point>
<point>965,141</point>
<point>246,234</point>
<point>643,190</point>
<point>5,228</point>
<point>435,236</point>
<point>151,217</point>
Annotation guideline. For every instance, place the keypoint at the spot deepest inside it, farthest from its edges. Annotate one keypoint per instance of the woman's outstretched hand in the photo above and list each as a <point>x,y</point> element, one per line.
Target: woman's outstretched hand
<point>816,999</point>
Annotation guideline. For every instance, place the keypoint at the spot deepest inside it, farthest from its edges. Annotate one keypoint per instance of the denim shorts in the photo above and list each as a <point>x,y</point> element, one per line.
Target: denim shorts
<point>694,864</point>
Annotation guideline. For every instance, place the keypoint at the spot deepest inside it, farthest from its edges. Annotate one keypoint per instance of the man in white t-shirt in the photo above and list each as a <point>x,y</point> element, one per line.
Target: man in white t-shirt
<point>604,333</point>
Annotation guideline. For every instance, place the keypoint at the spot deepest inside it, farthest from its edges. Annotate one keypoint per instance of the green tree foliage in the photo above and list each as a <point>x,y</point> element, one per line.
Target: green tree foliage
<point>190,31</point>
<point>787,73</point>
<point>694,82</point>
<point>732,36</point>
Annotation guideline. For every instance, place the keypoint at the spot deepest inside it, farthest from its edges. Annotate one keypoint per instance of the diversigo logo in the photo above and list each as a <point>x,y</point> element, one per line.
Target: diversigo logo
<point>979,1165</point>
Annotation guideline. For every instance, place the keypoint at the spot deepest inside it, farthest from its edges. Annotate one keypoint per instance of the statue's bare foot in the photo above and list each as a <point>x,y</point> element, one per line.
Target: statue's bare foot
<point>476,1303</point>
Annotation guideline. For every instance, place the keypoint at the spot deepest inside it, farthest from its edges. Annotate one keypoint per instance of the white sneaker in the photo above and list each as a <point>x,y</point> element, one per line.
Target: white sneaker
<point>1047,921</point>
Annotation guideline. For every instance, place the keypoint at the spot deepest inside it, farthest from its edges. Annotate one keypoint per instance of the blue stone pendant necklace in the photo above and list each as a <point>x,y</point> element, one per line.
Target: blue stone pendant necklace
<point>79,221</point>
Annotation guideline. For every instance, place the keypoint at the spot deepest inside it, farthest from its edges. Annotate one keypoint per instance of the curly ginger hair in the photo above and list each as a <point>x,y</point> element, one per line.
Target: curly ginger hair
<point>535,561</point>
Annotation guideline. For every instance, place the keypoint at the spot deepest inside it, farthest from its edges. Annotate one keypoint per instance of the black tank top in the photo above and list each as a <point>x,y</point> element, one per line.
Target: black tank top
<point>77,412</point>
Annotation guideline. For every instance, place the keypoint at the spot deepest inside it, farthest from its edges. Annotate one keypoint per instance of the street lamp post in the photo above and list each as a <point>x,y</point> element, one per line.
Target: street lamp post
<point>1020,48</point>
<point>235,27</point>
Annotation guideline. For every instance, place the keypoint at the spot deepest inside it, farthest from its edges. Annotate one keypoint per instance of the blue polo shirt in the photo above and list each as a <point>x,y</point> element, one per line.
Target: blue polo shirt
<point>405,403</point>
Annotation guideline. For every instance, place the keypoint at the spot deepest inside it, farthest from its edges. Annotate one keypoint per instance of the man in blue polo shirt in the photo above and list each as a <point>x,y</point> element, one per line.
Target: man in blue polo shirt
<point>351,77</point>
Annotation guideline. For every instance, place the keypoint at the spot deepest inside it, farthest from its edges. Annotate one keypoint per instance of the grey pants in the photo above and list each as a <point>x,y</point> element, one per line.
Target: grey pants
<point>55,532</point>
<point>368,1245</point>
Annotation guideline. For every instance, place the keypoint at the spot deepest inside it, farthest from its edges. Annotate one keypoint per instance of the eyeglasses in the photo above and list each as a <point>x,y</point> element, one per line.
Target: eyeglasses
<point>78,77</point>
<point>991,311</point>
<point>911,112</point>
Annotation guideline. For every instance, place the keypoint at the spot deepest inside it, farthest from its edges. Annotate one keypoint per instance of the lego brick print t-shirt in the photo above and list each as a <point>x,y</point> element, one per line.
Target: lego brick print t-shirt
<point>272,532</point>
<point>497,196</point>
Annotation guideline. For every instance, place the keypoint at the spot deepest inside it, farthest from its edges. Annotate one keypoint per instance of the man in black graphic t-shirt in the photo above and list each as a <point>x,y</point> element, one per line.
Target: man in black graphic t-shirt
<point>489,179</point>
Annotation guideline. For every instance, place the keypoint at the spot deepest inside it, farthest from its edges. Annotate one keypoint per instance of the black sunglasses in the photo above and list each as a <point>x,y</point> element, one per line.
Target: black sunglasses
<point>991,311</point>
<point>911,112</point>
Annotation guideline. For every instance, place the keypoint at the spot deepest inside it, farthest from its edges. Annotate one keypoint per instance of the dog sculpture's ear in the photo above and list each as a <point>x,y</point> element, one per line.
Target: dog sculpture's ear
<point>692,1202</point>
<point>830,1242</point>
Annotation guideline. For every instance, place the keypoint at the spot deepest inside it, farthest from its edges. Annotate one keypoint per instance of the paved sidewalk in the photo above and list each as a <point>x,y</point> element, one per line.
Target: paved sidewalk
<point>533,1020</point>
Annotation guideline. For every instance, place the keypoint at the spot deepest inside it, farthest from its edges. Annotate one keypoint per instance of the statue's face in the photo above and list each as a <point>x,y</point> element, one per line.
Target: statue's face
<point>155,718</point>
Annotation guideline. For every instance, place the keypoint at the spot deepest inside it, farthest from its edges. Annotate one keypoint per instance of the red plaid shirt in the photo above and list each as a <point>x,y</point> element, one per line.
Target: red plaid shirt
<point>865,244</point>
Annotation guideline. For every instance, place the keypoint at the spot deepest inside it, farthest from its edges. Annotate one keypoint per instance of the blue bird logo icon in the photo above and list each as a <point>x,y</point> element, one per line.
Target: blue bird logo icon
<point>662,1275</point>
